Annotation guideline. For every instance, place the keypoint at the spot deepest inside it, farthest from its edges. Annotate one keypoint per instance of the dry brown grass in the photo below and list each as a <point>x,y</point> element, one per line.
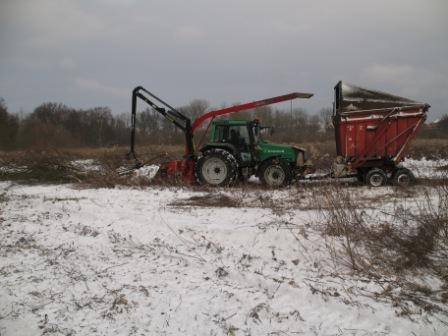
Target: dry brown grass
<point>325,151</point>
<point>403,240</point>
<point>429,148</point>
<point>39,166</point>
<point>119,152</point>
<point>392,249</point>
<point>56,166</point>
<point>321,153</point>
<point>52,165</point>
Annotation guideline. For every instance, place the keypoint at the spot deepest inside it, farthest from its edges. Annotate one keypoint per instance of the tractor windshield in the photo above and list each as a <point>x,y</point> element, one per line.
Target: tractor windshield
<point>239,135</point>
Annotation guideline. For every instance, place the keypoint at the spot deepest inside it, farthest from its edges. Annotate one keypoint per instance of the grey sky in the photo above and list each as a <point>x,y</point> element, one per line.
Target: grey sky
<point>93,52</point>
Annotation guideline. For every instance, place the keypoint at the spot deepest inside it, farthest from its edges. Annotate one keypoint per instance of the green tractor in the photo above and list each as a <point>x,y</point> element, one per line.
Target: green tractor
<point>236,150</point>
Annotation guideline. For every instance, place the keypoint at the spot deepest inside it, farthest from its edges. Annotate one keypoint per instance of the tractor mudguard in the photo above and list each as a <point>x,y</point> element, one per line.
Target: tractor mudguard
<point>226,146</point>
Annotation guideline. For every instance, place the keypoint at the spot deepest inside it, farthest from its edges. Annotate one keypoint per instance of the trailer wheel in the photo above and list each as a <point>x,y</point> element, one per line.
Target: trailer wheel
<point>403,177</point>
<point>216,167</point>
<point>376,177</point>
<point>275,173</point>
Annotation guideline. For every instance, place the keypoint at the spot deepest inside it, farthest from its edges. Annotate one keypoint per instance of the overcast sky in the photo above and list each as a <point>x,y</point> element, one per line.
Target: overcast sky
<point>93,52</point>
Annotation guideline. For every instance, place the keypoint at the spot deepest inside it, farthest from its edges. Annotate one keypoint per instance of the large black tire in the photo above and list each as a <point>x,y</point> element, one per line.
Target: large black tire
<point>275,174</point>
<point>403,177</point>
<point>376,177</point>
<point>217,167</point>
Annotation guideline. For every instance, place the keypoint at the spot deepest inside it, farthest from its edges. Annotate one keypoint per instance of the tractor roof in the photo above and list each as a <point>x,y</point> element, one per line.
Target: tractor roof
<point>231,122</point>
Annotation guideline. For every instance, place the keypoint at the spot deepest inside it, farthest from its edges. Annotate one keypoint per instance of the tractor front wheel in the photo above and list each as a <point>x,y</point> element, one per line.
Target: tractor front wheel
<point>216,167</point>
<point>275,173</point>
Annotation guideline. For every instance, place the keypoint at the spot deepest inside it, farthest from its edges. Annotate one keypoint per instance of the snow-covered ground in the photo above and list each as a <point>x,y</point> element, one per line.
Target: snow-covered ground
<point>86,165</point>
<point>155,261</point>
<point>430,169</point>
<point>147,171</point>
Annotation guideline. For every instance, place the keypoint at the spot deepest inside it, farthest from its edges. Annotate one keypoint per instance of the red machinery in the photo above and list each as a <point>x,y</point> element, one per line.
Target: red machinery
<point>183,170</point>
<point>373,130</point>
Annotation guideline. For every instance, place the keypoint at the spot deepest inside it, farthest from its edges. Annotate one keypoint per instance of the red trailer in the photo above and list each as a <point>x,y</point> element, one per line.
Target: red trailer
<point>373,130</point>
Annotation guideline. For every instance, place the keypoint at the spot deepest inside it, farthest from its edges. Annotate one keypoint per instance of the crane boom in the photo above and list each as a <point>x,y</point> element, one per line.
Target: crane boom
<point>247,106</point>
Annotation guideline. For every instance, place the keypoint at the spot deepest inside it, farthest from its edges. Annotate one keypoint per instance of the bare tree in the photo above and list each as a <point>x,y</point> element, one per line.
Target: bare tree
<point>9,125</point>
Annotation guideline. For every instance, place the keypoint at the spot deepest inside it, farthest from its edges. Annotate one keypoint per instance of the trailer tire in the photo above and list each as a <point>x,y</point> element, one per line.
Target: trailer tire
<point>217,167</point>
<point>275,173</point>
<point>376,177</point>
<point>403,177</point>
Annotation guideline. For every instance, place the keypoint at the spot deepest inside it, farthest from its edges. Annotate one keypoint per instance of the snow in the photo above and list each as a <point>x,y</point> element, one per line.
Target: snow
<point>87,165</point>
<point>130,262</point>
<point>424,168</point>
<point>12,169</point>
<point>148,172</point>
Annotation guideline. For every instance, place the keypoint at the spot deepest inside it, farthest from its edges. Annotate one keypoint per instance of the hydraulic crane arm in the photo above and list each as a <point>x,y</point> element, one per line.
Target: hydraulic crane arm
<point>169,112</point>
<point>247,106</point>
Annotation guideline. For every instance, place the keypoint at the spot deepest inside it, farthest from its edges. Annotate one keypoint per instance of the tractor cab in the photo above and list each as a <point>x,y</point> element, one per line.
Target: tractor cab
<point>240,137</point>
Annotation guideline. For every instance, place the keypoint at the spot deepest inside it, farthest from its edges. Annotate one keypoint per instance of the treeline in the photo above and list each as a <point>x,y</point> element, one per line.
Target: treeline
<point>57,125</point>
<point>60,126</point>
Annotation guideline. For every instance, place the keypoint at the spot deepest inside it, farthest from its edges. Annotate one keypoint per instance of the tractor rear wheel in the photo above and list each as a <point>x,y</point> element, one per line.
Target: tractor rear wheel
<point>275,173</point>
<point>403,177</point>
<point>376,177</point>
<point>217,167</point>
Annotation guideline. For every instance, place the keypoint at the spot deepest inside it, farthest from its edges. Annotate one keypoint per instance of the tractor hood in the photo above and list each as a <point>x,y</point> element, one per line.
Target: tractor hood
<point>275,149</point>
<point>268,150</point>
